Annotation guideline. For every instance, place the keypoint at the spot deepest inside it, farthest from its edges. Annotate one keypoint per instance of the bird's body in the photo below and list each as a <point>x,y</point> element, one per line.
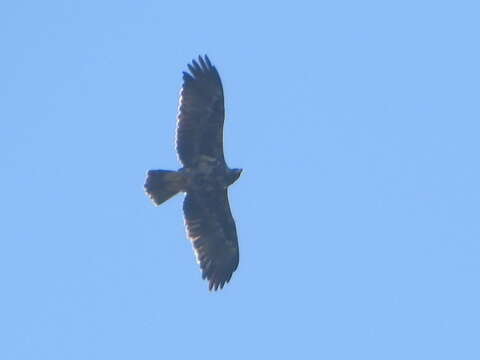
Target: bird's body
<point>208,174</point>
<point>204,176</point>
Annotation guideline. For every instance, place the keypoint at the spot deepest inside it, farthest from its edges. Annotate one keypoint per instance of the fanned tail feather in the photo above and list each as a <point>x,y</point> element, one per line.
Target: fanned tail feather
<point>161,185</point>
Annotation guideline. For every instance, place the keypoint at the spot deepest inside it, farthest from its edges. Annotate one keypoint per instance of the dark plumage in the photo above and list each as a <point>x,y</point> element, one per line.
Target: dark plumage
<point>204,176</point>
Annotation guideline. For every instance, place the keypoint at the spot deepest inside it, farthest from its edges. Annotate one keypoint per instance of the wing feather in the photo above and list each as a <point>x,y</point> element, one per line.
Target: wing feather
<point>211,229</point>
<point>201,114</point>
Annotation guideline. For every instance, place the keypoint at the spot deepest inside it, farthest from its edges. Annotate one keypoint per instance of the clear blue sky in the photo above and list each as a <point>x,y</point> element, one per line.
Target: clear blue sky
<point>357,124</point>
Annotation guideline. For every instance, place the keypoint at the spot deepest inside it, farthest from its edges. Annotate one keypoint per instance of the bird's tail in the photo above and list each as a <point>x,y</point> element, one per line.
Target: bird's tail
<point>161,185</point>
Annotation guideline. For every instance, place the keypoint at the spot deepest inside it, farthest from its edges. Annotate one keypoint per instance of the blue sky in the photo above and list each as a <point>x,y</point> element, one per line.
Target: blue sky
<point>356,123</point>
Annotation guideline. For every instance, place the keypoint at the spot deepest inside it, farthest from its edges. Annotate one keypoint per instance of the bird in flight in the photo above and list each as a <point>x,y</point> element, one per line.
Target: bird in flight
<point>204,177</point>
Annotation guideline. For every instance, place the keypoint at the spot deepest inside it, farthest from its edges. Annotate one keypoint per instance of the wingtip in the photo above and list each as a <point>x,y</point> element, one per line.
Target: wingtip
<point>207,60</point>
<point>213,286</point>
<point>202,64</point>
<point>191,68</point>
<point>202,60</point>
<point>215,283</point>
<point>187,77</point>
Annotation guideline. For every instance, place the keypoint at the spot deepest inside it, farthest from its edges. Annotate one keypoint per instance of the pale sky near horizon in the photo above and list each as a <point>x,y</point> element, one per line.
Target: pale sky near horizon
<point>356,124</point>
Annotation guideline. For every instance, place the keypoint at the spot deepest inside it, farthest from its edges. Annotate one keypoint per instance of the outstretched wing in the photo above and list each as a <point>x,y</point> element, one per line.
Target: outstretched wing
<point>201,114</point>
<point>211,228</point>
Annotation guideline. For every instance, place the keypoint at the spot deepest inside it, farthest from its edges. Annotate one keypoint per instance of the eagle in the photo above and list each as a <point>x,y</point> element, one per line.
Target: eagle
<point>204,176</point>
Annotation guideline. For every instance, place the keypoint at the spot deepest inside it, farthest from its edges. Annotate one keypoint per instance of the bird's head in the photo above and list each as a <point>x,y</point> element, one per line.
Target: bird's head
<point>234,174</point>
